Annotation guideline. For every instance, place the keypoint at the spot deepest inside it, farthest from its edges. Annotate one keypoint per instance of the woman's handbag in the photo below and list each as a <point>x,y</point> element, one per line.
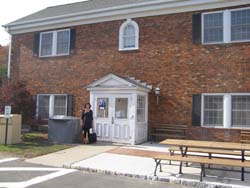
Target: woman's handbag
<point>92,136</point>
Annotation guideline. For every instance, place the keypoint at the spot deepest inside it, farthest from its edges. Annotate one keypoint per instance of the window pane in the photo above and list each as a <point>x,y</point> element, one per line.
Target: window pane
<point>213,27</point>
<point>129,36</point>
<point>141,110</point>
<point>240,25</point>
<point>241,111</point>
<point>129,30</point>
<point>43,106</point>
<point>129,42</point>
<point>102,107</point>
<point>60,105</point>
<point>46,44</point>
<point>121,108</point>
<point>63,42</point>
<point>213,110</point>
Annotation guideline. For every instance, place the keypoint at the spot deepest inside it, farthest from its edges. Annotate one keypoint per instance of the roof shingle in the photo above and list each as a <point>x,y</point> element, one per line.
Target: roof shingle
<point>78,7</point>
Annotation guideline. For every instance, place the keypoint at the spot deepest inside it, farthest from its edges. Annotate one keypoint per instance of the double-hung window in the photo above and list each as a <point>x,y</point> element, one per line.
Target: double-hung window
<point>226,110</point>
<point>241,111</point>
<point>226,26</point>
<point>60,105</point>
<point>240,25</point>
<point>213,27</point>
<point>43,106</point>
<point>213,110</point>
<point>129,36</point>
<point>141,109</point>
<point>54,43</point>
<point>50,105</point>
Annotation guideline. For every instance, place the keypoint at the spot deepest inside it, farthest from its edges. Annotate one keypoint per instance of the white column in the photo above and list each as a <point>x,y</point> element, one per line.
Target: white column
<point>146,117</point>
<point>93,104</point>
<point>132,118</point>
<point>227,111</point>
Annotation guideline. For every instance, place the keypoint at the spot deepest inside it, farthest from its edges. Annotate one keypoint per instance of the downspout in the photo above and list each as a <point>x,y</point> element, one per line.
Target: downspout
<point>9,58</point>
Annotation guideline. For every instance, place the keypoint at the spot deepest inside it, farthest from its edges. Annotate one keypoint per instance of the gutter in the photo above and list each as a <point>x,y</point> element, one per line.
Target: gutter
<point>9,57</point>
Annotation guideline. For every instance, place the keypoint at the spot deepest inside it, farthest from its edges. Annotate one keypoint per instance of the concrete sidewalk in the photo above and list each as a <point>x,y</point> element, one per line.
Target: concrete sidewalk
<point>136,161</point>
<point>72,155</point>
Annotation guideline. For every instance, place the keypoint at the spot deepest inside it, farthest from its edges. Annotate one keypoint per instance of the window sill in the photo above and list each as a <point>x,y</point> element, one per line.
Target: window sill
<point>128,49</point>
<point>54,56</point>
<point>217,127</point>
<point>207,126</point>
<point>221,43</point>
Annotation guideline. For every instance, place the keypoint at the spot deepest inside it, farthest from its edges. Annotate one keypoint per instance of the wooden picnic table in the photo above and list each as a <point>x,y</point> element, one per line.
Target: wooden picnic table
<point>207,144</point>
<point>185,144</point>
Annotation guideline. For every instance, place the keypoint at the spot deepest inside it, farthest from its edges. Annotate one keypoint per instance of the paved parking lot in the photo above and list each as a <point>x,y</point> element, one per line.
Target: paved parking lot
<point>15,173</point>
<point>18,174</point>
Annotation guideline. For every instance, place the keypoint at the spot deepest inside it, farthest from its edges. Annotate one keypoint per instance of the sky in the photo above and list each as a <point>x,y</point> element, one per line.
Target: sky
<point>11,10</point>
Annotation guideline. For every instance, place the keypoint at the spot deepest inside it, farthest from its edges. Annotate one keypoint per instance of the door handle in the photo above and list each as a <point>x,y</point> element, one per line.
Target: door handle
<point>112,120</point>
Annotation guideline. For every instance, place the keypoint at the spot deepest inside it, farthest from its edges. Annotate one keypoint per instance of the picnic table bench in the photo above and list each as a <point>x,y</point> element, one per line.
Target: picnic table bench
<point>202,161</point>
<point>210,152</point>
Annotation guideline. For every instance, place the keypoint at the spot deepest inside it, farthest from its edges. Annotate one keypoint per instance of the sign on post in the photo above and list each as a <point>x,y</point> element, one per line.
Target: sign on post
<point>7,113</point>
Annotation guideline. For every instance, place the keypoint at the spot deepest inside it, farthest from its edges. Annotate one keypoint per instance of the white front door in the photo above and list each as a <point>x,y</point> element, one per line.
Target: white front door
<point>121,123</point>
<point>103,117</point>
<point>112,118</point>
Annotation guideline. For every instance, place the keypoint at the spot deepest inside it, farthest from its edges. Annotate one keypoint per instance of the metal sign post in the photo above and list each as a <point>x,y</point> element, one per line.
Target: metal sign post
<point>7,113</point>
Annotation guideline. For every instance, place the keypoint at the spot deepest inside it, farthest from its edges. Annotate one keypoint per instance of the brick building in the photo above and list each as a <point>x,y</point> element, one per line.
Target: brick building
<point>116,53</point>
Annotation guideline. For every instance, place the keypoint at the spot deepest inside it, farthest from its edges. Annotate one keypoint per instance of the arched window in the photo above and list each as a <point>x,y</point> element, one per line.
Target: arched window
<point>129,36</point>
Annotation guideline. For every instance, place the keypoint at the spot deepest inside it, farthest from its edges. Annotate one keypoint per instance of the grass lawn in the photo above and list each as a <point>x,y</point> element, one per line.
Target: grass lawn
<point>32,145</point>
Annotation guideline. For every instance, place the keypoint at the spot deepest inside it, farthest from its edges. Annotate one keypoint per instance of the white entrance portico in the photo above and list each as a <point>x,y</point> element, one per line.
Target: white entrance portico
<point>120,107</point>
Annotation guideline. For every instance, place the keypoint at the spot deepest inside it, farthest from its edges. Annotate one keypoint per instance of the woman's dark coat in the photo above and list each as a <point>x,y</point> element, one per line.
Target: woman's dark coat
<point>87,119</point>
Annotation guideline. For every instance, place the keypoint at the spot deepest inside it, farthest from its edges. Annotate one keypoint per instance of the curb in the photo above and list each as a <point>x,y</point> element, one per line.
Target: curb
<point>181,181</point>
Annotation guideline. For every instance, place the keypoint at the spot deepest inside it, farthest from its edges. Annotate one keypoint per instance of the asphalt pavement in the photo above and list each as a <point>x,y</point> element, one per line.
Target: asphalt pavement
<point>93,180</point>
<point>16,173</point>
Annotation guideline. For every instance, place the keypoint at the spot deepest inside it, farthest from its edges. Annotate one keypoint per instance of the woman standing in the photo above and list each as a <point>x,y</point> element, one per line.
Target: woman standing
<point>87,120</point>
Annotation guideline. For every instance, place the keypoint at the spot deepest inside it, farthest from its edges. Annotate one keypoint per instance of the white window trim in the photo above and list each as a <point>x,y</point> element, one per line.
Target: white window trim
<point>40,44</point>
<point>202,108</point>
<point>226,26</point>
<point>51,104</point>
<point>227,110</point>
<point>202,27</point>
<point>121,34</point>
<point>54,44</point>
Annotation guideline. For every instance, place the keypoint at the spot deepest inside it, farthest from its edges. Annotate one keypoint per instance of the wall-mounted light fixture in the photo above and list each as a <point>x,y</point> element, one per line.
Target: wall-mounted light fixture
<point>157,94</point>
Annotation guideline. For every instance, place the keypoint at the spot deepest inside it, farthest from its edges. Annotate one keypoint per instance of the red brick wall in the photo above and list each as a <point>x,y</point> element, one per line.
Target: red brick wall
<point>166,59</point>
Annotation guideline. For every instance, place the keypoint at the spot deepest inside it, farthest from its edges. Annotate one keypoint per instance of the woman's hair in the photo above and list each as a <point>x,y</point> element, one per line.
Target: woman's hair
<point>85,105</point>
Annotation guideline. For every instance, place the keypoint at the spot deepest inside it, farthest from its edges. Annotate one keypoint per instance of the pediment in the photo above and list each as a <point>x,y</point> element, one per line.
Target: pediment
<point>113,81</point>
